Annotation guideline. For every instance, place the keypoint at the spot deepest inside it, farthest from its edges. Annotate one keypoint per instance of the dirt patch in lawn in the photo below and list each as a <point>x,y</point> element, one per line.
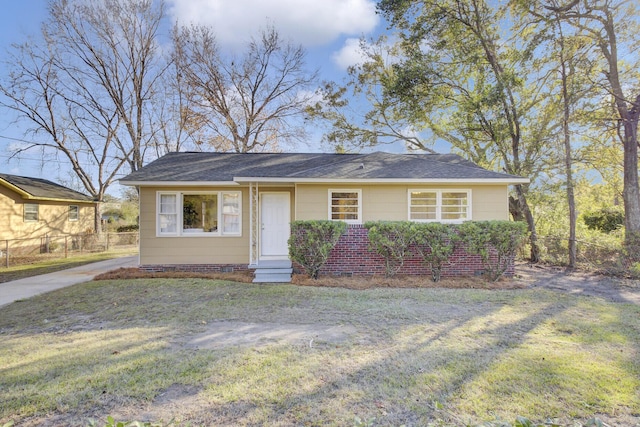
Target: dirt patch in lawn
<point>579,282</point>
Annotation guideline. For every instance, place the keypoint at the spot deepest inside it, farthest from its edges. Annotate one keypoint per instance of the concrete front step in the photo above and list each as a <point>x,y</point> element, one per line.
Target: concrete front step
<point>274,275</point>
<point>276,271</point>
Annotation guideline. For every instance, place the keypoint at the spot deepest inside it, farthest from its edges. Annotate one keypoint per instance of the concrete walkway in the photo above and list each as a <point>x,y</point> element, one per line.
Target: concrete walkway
<point>36,285</point>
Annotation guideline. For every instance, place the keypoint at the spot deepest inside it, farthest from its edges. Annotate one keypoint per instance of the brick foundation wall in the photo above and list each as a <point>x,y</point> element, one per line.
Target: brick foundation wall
<point>352,256</point>
<point>195,268</point>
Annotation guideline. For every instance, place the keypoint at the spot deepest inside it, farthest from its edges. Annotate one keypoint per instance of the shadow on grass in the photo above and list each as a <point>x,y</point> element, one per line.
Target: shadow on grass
<point>418,356</point>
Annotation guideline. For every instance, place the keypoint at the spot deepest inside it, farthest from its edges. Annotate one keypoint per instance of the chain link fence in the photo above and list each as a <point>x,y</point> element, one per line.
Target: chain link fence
<point>603,255</point>
<point>26,251</point>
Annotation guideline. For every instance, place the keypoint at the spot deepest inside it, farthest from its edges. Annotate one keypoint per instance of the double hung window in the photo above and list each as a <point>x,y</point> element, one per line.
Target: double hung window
<point>74,212</point>
<point>31,212</point>
<point>199,214</point>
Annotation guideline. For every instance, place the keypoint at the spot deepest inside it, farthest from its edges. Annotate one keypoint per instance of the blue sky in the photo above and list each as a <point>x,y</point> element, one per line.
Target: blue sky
<point>18,19</point>
<point>328,29</point>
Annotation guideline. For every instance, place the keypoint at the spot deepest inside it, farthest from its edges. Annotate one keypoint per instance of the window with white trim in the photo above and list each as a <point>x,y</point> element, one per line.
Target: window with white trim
<point>230,213</point>
<point>168,213</point>
<point>74,212</point>
<point>31,212</point>
<point>439,205</point>
<point>199,213</point>
<point>345,205</point>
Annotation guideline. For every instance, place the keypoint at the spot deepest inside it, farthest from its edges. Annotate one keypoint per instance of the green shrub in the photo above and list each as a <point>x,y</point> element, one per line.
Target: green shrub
<point>605,220</point>
<point>391,240</point>
<point>435,243</point>
<point>311,243</point>
<point>505,237</point>
<point>127,228</point>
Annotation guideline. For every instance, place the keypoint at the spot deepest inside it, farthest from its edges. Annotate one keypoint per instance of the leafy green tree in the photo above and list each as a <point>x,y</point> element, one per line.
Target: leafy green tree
<point>570,83</point>
<point>360,114</point>
<point>612,27</point>
<point>453,73</point>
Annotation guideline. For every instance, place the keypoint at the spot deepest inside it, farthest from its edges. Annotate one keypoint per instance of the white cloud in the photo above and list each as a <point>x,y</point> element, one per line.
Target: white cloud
<point>350,54</point>
<point>308,22</point>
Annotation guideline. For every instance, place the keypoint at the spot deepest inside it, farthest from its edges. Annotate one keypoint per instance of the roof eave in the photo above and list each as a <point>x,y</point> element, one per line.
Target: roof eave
<point>16,189</point>
<point>283,180</point>
<point>53,199</point>
<point>179,183</point>
<point>28,196</point>
<point>502,181</point>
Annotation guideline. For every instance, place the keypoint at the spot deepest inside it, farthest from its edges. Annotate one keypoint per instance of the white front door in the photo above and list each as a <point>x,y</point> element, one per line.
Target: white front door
<point>274,218</point>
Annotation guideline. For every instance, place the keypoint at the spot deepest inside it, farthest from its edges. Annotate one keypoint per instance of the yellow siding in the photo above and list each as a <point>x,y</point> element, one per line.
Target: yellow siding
<point>390,202</point>
<point>194,250</point>
<point>53,217</point>
<point>308,201</point>
<point>490,202</point>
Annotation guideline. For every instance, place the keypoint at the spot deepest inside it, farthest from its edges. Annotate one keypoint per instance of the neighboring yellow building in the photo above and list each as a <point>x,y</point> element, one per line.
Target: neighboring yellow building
<point>34,207</point>
<point>207,211</point>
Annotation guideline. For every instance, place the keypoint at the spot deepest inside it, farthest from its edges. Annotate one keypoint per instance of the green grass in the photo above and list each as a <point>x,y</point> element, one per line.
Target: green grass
<point>413,356</point>
<point>52,265</point>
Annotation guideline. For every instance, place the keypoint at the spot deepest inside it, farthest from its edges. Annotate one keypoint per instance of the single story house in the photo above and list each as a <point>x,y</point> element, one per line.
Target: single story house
<point>232,211</point>
<point>35,207</point>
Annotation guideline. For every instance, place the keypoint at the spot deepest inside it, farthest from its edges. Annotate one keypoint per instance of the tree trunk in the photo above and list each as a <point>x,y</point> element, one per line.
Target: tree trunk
<point>97,219</point>
<point>568,163</point>
<point>631,193</point>
<point>524,212</point>
<point>515,210</point>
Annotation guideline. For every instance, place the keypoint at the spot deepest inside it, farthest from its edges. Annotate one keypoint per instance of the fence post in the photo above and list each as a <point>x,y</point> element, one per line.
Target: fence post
<point>6,252</point>
<point>107,249</point>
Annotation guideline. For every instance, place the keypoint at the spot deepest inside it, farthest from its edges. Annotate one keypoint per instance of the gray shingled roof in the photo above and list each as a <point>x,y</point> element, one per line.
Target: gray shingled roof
<point>39,188</point>
<point>220,167</point>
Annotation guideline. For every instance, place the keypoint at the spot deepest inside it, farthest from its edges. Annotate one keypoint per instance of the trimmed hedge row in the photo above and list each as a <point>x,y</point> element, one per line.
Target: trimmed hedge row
<point>496,242</point>
<point>311,243</point>
<point>435,243</point>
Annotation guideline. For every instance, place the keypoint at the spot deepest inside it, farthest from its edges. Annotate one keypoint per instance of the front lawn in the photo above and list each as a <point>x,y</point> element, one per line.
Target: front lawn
<point>201,352</point>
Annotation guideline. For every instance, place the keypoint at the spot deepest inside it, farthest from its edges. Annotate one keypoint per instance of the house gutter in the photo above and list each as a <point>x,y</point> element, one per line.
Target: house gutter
<point>180,183</point>
<point>28,196</point>
<point>494,181</point>
<point>246,180</point>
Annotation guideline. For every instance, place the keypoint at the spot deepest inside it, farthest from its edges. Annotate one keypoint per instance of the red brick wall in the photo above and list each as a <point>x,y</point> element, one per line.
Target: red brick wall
<point>352,256</point>
<point>195,268</point>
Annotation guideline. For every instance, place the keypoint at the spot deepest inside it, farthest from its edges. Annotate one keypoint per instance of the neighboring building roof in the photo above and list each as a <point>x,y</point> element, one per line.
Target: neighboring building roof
<point>41,189</point>
<point>202,168</point>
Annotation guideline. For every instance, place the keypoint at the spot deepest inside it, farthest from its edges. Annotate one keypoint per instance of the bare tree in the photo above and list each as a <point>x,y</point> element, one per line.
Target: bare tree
<point>253,102</point>
<point>111,45</point>
<point>85,88</point>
